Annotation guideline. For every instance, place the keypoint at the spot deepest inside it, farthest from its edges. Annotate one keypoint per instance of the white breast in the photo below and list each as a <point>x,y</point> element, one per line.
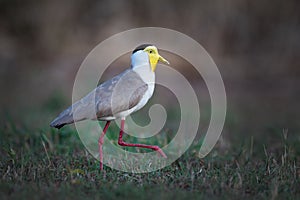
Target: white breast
<point>141,104</point>
<point>148,94</point>
<point>140,64</point>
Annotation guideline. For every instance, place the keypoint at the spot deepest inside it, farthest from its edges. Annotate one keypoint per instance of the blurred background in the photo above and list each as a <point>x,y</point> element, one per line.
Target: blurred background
<point>255,44</point>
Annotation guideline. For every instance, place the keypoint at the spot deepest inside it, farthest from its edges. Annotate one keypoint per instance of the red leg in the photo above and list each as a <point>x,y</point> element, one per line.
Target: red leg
<point>122,143</point>
<point>100,143</point>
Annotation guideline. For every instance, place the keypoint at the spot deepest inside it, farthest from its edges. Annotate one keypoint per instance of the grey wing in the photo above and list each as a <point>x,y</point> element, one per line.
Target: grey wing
<point>119,94</point>
<point>113,96</point>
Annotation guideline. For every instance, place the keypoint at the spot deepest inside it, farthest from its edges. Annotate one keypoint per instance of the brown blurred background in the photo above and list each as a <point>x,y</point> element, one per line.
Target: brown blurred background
<point>255,44</point>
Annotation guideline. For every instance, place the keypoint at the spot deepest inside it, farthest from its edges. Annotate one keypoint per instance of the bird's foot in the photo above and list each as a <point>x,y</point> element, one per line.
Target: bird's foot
<point>160,151</point>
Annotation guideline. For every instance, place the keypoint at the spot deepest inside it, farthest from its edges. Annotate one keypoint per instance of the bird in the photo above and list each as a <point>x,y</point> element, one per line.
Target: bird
<point>118,97</point>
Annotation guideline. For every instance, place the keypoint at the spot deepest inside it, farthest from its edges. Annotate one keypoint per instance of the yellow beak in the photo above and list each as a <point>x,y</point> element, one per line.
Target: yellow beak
<point>160,58</point>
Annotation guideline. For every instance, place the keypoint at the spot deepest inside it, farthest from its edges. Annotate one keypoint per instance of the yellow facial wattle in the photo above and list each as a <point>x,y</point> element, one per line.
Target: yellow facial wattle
<point>154,57</point>
<point>153,61</point>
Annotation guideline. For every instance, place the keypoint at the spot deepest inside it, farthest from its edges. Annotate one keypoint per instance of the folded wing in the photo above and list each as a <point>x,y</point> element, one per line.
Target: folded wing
<point>118,94</point>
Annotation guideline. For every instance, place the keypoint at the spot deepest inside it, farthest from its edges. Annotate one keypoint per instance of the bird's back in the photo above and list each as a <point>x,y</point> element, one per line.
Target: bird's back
<point>114,96</point>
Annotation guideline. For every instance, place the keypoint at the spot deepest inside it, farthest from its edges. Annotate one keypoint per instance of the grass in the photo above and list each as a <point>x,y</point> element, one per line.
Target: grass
<point>39,162</point>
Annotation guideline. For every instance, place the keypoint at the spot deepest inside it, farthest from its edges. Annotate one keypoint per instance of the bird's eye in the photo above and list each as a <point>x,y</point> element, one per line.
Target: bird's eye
<point>150,51</point>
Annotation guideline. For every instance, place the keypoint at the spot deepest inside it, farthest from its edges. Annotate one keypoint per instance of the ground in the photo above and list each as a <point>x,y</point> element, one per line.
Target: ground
<point>40,162</point>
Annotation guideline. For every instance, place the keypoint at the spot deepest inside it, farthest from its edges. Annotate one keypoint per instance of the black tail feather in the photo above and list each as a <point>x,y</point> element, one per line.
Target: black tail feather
<point>58,126</point>
<point>63,119</point>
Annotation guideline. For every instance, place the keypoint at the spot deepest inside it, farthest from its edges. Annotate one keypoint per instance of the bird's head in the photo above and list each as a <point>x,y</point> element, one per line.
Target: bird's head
<point>149,53</point>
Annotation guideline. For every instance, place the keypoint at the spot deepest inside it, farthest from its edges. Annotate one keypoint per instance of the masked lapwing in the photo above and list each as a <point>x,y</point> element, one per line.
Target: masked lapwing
<point>118,97</point>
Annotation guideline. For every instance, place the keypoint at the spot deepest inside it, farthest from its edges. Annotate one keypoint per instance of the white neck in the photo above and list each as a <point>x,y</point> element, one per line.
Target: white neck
<point>140,64</point>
